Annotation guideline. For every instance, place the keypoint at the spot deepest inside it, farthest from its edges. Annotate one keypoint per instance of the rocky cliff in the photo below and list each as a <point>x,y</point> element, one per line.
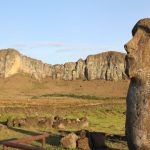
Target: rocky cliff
<point>106,66</point>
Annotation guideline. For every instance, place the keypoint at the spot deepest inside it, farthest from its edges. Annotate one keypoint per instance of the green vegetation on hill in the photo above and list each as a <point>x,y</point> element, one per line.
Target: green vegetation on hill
<point>89,97</point>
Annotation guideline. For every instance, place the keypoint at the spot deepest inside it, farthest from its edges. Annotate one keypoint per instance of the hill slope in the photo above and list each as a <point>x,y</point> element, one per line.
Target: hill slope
<point>24,87</point>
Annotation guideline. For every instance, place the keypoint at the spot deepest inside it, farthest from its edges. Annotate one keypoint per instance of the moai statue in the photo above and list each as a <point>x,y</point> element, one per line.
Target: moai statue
<point>138,98</point>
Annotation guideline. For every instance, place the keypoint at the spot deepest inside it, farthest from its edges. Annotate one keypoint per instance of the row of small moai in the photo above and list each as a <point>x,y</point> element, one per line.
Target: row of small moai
<point>45,122</point>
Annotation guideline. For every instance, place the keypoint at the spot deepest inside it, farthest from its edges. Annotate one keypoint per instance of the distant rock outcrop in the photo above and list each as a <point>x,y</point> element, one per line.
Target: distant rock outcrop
<point>106,66</point>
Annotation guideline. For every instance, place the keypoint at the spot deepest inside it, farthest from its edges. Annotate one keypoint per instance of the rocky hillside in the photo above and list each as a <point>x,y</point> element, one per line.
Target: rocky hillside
<point>106,66</point>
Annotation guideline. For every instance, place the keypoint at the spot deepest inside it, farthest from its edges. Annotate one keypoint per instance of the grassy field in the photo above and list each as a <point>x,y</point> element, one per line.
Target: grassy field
<point>103,103</point>
<point>106,116</point>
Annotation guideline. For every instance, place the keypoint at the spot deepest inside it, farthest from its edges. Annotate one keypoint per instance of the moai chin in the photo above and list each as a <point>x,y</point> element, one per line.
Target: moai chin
<point>138,98</point>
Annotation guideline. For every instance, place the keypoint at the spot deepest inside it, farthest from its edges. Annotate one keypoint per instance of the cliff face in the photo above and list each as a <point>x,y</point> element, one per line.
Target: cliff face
<point>10,62</point>
<point>107,66</point>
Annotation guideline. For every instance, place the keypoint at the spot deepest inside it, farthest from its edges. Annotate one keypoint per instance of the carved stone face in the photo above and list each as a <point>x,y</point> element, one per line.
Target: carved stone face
<point>138,50</point>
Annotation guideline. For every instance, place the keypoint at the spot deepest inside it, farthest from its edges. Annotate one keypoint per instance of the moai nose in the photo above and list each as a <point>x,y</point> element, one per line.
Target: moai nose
<point>126,48</point>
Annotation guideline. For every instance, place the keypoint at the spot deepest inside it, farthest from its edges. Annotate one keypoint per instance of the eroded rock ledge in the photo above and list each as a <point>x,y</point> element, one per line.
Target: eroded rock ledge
<point>106,66</point>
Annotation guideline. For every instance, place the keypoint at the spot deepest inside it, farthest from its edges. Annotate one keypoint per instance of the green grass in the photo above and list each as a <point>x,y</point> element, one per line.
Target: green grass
<point>89,97</point>
<point>6,116</point>
<point>110,120</point>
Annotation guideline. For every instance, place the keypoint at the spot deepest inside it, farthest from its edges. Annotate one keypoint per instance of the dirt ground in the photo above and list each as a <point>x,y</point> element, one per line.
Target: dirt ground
<point>22,87</point>
<point>20,93</point>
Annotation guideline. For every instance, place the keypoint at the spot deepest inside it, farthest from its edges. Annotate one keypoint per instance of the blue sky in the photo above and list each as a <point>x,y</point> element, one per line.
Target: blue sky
<point>58,31</point>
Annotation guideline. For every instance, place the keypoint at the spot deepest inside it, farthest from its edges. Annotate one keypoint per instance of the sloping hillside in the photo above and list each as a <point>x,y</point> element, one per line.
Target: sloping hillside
<point>23,86</point>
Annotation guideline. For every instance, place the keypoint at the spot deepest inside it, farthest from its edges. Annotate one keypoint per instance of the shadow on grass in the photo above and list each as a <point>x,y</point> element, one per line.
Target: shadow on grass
<point>106,148</point>
<point>116,138</point>
<point>30,133</point>
<point>54,139</point>
<point>90,97</point>
<point>27,132</point>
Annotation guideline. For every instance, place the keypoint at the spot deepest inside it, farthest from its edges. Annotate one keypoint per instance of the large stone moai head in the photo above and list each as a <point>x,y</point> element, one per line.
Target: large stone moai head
<point>138,50</point>
<point>138,98</point>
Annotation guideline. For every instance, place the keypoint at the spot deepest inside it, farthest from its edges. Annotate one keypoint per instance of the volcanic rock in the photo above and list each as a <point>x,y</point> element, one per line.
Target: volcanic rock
<point>106,66</point>
<point>83,143</point>
<point>138,98</point>
<point>69,141</point>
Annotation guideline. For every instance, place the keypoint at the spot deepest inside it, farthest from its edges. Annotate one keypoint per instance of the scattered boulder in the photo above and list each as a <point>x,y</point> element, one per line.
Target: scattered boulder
<point>83,143</point>
<point>69,141</point>
<point>82,133</point>
<point>88,140</point>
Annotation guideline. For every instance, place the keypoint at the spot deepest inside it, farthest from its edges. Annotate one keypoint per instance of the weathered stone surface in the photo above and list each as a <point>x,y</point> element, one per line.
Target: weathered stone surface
<point>87,140</point>
<point>107,66</point>
<point>80,69</point>
<point>35,68</point>
<point>138,98</point>
<point>56,122</point>
<point>30,122</point>
<point>62,123</point>
<point>57,72</point>
<point>83,133</point>
<point>69,68</point>
<point>10,61</point>
<point>69,141</point>
<point>83,143</point>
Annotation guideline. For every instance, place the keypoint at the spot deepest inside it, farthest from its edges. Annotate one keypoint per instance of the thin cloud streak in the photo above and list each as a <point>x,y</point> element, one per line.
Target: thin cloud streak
<point>39,44</point>
<point>47,44</point>
<point>66,49</point>
<point>87,49</point>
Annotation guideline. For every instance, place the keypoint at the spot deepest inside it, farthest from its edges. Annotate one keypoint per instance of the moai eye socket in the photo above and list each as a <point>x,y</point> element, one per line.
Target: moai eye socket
<point>142,41</point>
